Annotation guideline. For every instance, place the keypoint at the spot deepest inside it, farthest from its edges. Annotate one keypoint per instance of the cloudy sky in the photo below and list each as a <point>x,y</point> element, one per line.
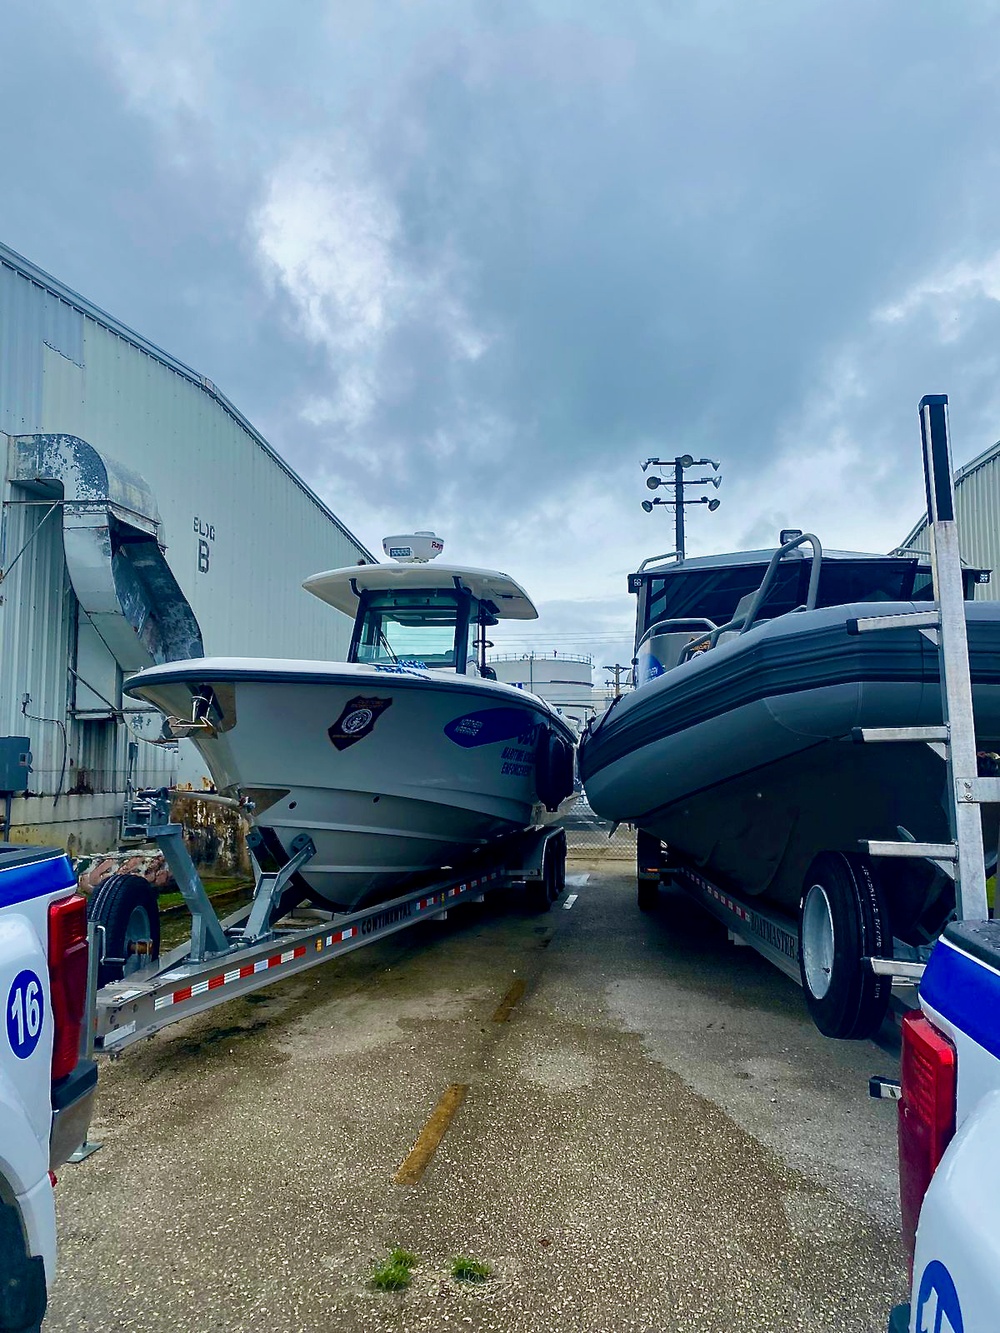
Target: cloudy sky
<point>467,262</point>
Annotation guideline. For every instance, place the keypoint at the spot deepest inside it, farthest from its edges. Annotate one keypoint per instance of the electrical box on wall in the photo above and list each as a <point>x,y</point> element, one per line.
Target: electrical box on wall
<point>15,763</point>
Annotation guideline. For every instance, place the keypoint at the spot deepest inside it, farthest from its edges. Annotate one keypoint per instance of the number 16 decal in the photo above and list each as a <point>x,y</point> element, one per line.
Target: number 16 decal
<point>25,1012</point>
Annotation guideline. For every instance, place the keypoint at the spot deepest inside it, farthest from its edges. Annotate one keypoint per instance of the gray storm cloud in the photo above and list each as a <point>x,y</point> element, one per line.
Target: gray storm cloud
<point>466,265</point>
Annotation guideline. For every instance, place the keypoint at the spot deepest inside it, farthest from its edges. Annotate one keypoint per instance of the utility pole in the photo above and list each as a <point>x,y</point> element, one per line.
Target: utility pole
<point>617,668</point>
<point>679,506</point>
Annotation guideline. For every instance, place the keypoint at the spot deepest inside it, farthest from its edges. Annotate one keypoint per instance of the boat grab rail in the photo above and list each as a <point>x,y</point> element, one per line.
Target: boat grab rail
<point>655,560</point>
<point>662,626</point>
<point>741,624</point>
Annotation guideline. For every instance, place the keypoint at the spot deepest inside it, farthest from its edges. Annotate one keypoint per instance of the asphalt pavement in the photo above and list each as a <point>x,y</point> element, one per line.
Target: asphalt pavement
<point>631,1121</point>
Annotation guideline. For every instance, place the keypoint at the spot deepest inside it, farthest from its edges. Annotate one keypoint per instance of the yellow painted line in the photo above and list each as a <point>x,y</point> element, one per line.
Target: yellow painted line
<point>431,1135</point>
<point>508,1002</point>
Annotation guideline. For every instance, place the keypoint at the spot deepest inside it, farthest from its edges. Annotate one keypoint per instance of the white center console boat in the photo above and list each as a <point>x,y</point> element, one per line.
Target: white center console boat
<point>404,760</point>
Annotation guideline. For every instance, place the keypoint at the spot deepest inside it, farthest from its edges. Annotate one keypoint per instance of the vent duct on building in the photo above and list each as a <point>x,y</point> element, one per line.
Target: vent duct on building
<point>114,549</point>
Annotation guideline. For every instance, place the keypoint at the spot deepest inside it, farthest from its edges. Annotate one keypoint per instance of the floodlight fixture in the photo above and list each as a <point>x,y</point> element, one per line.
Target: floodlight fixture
<point>653,482</point>
<point>713,505</point>
<point>648,506</point>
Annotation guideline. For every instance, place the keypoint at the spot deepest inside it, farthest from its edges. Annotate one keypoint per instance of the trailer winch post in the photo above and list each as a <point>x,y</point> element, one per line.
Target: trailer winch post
<point>207,935</point>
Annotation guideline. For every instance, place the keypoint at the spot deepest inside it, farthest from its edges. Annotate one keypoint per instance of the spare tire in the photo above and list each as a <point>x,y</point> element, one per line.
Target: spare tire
<point>127,909</point>
<point>554,768</point>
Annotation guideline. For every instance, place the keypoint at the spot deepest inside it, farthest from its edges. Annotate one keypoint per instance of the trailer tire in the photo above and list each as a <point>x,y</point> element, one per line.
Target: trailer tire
<point>22,1277</point>
<point>557,850</point>
<point>843,919</point>
<point>126,907</point>
<point>541,893</point>
<point>648,854</point>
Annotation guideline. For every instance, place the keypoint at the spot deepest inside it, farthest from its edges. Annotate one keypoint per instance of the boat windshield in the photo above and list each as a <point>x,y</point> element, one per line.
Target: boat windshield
<point>415,628</point>
<point>716,593</point>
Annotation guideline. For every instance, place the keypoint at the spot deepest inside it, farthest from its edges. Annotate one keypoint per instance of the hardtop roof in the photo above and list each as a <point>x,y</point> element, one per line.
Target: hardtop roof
<point>340,587</point>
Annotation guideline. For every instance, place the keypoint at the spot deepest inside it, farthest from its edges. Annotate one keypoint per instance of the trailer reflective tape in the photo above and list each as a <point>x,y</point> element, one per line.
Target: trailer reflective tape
<point>227,978</point>
<point>737,909</point>
<point>376,922</point>
<point>337,938</point>
<point>708,888</point>
<point>118,1034</point>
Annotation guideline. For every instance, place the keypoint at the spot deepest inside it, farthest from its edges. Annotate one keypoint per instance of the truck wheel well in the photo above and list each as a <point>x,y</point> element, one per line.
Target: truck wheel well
<point>22,1275</point>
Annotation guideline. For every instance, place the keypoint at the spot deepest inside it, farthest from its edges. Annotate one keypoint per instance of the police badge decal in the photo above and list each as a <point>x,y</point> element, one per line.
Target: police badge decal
<point>356,721</point>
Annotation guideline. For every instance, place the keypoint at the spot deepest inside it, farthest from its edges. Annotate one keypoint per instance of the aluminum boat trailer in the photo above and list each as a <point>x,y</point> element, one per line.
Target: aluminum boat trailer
<point>253,947</point>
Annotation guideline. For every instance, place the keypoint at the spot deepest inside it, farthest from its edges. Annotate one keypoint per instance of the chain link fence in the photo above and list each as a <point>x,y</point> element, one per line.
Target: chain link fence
<point>589,838</point>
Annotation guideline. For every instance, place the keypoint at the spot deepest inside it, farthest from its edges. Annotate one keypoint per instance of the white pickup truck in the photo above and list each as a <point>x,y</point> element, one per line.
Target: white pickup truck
<point>949,1138</point>
<point>46,1089</point>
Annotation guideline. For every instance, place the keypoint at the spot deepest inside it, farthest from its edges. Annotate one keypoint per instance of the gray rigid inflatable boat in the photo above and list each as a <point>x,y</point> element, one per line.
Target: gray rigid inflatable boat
<point>738,755</point>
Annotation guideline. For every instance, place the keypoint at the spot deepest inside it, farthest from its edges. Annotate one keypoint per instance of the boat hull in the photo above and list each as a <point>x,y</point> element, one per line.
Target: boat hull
<point>394,775</point>
<point>742,760</point>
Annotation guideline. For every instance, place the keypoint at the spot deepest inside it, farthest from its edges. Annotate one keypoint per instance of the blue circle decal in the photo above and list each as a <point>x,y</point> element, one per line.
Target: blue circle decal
<point>938,1310</point>
<point>25,1013</point>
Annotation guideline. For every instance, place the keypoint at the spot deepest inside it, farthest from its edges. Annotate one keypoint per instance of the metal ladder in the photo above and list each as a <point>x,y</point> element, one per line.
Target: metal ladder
<point>962,858</point>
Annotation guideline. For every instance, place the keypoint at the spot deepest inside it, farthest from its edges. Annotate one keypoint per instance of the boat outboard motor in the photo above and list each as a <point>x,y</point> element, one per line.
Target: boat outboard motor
<point>661,647</point>
<point>555,768</point>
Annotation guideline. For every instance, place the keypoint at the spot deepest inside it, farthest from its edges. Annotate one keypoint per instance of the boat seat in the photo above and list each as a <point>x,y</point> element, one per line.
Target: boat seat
<point>663,646</point>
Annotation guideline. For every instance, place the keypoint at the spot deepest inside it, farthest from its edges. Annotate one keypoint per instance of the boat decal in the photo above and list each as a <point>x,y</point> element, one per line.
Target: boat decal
<point>487,726</point>
<point>356,721</point>
<point>402,668</point>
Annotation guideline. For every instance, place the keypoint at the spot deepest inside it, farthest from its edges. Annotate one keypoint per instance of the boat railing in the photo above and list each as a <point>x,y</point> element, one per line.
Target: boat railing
<point>677,625</point>
<point>655,560</point>
<point>744,621</point>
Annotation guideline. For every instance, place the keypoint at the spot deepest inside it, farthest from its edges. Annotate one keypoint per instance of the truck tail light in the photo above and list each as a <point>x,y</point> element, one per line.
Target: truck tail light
<point>926,1115</point>
<point>68,980</point>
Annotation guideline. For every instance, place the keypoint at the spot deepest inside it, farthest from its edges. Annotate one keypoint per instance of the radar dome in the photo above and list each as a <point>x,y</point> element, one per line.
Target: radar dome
<point>413,548</point>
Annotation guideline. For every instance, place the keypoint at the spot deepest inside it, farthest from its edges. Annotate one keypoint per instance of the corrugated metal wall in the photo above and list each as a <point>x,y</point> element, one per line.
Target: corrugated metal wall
<point>977,512</point>
<point>36,632</point>
<point>242,531</point>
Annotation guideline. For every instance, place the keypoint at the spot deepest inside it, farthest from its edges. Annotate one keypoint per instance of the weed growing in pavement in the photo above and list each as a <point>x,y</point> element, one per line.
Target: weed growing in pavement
<point>470,1270</point>
<point>395,1273</point>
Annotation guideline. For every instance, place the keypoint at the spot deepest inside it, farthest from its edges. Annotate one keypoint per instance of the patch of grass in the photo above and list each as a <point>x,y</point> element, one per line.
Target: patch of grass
<point>470,1270</point>
<point>395,1273</point>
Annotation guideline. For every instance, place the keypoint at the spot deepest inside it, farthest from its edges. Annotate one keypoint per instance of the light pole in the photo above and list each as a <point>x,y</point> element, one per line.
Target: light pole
<point>679,481</point>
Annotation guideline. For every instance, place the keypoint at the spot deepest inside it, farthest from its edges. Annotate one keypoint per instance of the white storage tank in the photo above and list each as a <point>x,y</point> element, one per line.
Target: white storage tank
<point>565,680</point>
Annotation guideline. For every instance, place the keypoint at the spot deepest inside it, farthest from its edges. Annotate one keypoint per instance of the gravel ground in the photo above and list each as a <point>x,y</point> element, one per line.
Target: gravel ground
<point>655,1139</point>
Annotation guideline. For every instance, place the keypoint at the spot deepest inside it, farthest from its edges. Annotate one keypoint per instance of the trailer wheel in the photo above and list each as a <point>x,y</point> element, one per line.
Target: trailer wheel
<point>843,919</point>
<point>126,907</point>
<point>541,893</point>
<point>648,865</point>
<point>557,855</point>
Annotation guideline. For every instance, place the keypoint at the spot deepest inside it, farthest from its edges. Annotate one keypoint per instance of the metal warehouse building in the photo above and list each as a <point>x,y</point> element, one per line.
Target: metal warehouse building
<point>977,512</point>
<point>134,494</point>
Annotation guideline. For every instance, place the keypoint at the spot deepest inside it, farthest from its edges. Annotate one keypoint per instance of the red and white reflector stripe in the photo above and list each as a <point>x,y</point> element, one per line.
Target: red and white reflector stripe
<point>227,978</point>
<point>231,975</point>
